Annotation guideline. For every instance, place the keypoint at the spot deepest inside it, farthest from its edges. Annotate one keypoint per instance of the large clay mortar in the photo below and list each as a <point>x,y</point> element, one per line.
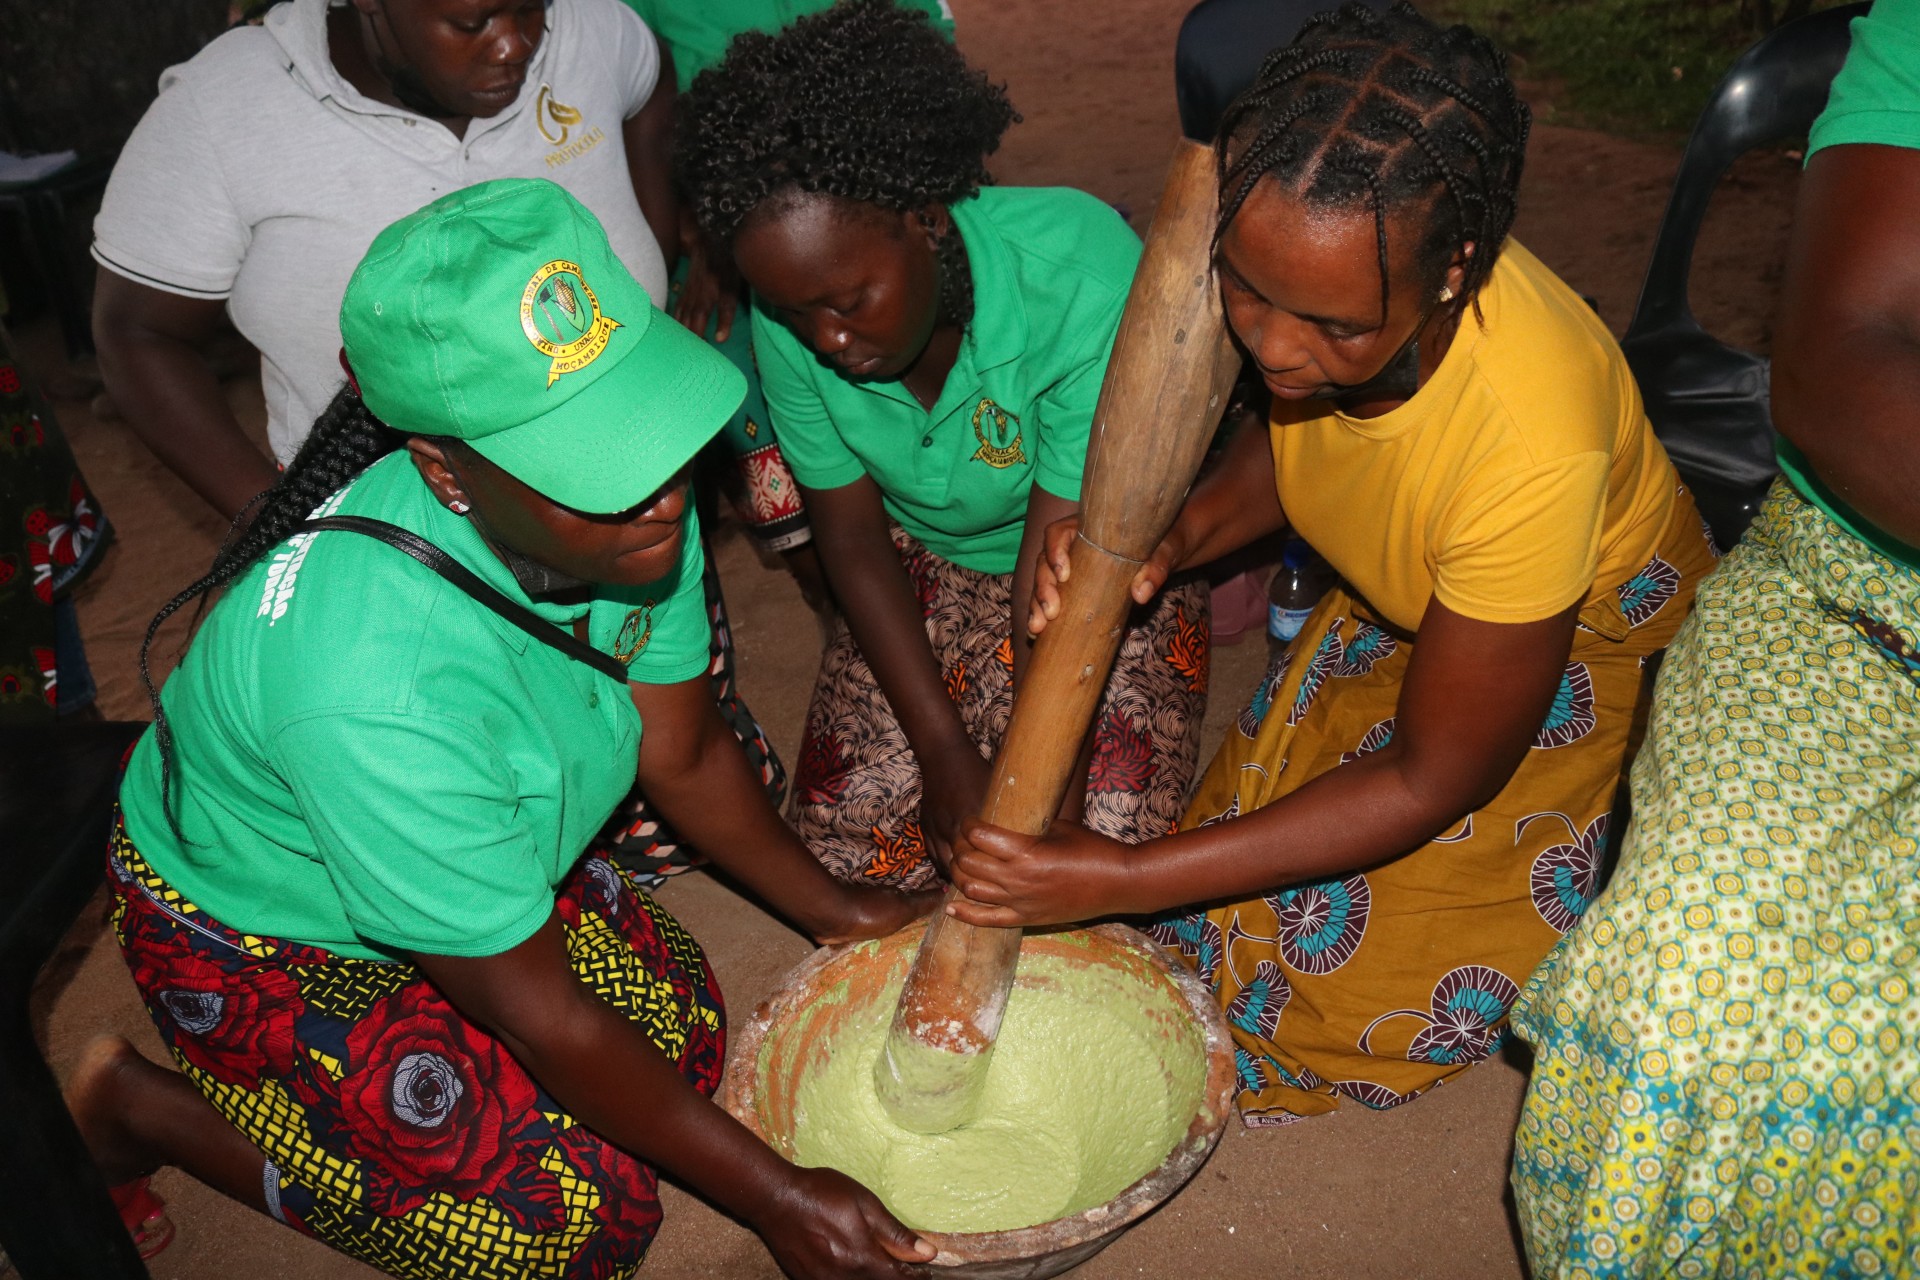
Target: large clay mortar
<point>790,1034</point>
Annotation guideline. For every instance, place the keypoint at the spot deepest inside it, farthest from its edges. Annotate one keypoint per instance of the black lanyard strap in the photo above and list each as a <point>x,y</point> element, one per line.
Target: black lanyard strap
<point>464,578</point>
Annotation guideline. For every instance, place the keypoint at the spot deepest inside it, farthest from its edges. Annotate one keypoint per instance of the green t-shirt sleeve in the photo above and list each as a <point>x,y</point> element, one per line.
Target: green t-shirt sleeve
<point>1107,253</point>
<point>1066,408</point>
<point>1876,96</point>
<point>415,818</point>
<point>659,630</point>
<point>812,446</point>
<point>1066,419</point>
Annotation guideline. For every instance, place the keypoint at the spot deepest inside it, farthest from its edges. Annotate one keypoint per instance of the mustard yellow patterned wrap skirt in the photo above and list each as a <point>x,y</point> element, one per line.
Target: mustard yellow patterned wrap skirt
<point>1378,985</point>
<point>1727,1048</point>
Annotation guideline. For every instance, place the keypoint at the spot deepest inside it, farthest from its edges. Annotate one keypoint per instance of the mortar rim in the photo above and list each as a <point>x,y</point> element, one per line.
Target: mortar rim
<point>1141,1197</point>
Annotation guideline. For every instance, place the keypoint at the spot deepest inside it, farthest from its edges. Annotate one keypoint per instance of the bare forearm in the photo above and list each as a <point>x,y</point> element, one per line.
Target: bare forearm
<point>1357,816</point>
<point>715,800</point>
<point>174,404</point>
<point>608,1073</point>
<point>649,140</point>
<point>1233,504</point>
<point>883,613</point>
<point>1043,509</point>
<point>660,206</point>
<point>1021,591</point>
<point>605,1071</point>
<point>1469,708</point>
<point>1474,696</point>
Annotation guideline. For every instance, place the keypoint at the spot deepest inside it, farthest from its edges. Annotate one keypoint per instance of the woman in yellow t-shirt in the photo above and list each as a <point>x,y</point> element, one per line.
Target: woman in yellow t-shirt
<point>1412,809</point>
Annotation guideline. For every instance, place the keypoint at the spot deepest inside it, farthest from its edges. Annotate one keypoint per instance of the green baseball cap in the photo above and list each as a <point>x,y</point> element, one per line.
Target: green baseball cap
<point>498,315</point>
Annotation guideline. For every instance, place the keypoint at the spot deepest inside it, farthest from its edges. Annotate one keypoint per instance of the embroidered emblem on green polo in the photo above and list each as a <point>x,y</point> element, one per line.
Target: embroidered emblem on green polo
<point>634,634</point>
<point>991,425</point>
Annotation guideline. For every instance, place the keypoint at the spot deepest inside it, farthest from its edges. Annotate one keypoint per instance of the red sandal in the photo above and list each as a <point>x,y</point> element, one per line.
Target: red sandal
<point>145,1216</point>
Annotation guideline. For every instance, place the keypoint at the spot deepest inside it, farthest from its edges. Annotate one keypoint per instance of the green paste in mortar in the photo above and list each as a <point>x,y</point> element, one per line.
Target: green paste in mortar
<point>1094,1080</point>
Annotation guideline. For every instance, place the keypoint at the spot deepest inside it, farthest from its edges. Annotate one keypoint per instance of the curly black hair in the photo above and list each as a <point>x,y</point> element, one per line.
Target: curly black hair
<point>864,101</point>
<point>1394,110</point>
<point>347,439</point>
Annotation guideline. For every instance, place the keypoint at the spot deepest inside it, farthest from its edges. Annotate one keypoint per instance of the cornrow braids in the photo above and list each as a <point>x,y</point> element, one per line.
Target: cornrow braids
<point>346,439</point>
<point>1379,230</point>
<point>1394,110</point>
<point>864,101</point>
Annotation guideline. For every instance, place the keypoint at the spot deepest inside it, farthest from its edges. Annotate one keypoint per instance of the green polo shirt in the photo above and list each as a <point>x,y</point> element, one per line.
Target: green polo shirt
<point>368,760</point>
<point>1051,269</point>
<point>1875,99</point>
<point>697,32</point>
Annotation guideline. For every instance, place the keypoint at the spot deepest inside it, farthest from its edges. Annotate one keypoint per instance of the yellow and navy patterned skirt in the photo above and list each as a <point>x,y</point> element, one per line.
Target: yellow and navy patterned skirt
<point>856,790</point>
<point>1376,986</point>
<point>395,1130</point>
<point>1727,1049</point>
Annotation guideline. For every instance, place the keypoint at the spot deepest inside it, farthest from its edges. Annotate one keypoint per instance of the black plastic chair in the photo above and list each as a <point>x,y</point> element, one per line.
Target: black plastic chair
<point>57,786</point>
<point>1709,401</point>
<point>1222,44</point>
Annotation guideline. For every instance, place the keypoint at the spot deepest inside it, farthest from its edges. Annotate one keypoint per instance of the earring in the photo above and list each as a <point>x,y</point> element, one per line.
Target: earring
<point>1446,293</point>
<point>458,507</point>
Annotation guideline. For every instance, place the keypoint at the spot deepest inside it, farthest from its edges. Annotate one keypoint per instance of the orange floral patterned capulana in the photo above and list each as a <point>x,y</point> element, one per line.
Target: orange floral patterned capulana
<point>856,789</point>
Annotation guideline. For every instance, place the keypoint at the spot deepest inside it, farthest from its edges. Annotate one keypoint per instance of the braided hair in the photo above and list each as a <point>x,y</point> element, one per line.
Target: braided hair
<point>865,102</point>
<point>1395,110</point>
<point>346,439</point>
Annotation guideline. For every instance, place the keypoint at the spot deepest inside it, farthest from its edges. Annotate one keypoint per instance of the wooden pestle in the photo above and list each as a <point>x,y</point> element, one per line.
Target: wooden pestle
<point>1167,381</point>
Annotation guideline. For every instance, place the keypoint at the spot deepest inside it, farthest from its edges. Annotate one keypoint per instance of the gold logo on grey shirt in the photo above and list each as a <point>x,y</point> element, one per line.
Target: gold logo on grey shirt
<point>564,127</point>
<point>555,118</point>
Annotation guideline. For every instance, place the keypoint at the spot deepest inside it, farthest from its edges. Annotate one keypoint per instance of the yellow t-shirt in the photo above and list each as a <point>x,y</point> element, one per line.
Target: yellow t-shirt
<point>1522,477</point>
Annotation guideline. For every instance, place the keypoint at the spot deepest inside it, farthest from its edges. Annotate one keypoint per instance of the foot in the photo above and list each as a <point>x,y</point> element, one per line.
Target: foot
<point>99,1096</point>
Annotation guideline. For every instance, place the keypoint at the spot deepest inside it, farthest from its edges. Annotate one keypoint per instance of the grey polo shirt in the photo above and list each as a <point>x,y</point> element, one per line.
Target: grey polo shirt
<point>260,176</point>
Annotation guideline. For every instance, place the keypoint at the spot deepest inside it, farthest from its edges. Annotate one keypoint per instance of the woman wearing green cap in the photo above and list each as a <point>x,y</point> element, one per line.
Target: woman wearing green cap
<point>410,1019</point>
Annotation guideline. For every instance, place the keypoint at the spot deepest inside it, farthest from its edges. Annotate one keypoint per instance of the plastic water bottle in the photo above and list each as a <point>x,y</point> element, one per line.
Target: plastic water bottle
<point>1302,578</point>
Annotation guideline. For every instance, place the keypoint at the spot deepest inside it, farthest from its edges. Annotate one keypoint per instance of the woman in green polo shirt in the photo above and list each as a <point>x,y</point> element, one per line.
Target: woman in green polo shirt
<point>696,33</point>
<point>410,1018</point>
<point>931,350</point>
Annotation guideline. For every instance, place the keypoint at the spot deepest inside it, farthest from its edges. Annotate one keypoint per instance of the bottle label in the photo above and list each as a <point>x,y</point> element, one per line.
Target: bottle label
<point>1284,624</point>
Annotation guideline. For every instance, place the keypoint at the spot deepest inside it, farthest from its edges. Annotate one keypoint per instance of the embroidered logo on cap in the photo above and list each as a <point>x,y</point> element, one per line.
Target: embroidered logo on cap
<point>562,319</point>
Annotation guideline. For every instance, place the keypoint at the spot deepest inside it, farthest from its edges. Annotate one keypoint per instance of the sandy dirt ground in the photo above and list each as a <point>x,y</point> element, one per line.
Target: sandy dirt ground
<point>1420,1191</point>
